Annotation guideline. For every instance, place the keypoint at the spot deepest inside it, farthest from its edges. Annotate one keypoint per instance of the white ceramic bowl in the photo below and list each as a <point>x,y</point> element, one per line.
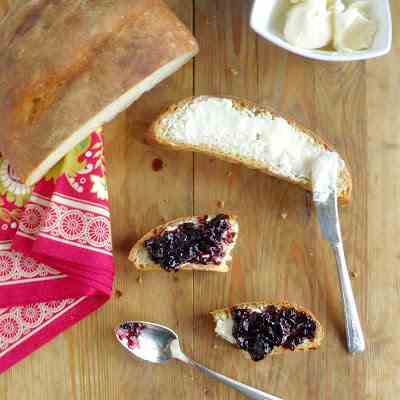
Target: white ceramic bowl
<point>268,20</point>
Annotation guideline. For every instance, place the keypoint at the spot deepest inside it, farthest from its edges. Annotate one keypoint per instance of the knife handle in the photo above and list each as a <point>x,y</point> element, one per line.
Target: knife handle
<point>355,337</point>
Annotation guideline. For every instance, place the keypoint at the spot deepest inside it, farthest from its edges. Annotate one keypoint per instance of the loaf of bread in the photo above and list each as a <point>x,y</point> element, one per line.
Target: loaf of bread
<point>68,67</point>
<point>224,324</point>
<point>141,258</point>
<point>240,131</point>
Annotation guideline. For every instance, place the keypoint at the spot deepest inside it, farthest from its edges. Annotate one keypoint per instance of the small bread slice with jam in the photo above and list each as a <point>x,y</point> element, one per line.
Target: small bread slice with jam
<point>261,329</point>
<point>240,131</point>
<point>202,243</point>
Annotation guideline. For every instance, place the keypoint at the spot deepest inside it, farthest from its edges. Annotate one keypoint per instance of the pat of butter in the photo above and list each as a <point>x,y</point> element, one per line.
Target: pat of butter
<point>314,24</point>
<point>309,25</point>
<point>354,30</point>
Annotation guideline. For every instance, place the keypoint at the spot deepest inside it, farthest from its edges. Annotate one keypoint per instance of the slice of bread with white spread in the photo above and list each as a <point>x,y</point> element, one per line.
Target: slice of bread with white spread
<point>240,131</point>
<point>141,256</point>
<point>224,321</point>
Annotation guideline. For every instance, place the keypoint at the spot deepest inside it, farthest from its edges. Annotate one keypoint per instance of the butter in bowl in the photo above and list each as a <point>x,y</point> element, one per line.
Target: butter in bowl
<point>330,30</point>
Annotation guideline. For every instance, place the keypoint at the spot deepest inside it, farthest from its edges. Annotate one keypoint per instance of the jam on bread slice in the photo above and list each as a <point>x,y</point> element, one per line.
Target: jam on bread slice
<point>263,329</point>
<point>202,243</point>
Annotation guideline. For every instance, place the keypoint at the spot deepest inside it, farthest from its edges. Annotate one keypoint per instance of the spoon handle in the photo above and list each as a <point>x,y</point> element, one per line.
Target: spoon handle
<point>248,391</point>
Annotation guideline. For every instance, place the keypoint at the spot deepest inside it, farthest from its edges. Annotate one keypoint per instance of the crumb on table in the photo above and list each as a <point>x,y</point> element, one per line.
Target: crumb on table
<point>233,71</point>
<point>354,274</point>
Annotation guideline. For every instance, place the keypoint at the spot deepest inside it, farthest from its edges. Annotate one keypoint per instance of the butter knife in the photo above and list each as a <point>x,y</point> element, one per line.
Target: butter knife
<point>328,217</point>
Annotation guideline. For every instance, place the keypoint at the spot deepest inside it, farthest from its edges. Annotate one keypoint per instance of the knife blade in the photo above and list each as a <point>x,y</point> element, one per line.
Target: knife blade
<point>328,217</point>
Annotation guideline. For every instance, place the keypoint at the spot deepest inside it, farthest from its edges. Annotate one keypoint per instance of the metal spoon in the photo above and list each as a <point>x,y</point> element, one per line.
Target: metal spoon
<point>159,344</point>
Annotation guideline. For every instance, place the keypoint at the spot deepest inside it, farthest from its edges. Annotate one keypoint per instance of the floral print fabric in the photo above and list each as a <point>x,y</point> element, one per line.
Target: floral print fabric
<point>56,263</point>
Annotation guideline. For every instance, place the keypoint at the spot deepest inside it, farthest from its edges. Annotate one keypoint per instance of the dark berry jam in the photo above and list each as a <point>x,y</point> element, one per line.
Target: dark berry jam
<point>157,164</point>
<point>130,332</point>
<point>198,243</point>
<point>258,332</point>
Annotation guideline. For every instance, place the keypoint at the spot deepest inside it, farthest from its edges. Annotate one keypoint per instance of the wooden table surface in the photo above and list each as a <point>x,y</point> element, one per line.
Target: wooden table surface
<point>356,107</point>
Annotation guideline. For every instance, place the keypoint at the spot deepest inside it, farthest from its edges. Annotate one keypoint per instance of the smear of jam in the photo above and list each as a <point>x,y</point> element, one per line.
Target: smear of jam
<point>130,332</point>
<point>200,243</point>
<point>157,164</point>
<point>258,332</point>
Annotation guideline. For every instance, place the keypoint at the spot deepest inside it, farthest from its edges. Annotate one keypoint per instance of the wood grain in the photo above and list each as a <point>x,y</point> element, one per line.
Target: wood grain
<point>383,280</point>
<point>280,254</point>
<point>279,258</point>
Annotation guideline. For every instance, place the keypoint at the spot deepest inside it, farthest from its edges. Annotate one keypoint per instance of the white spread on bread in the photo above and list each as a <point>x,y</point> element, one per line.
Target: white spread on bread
<point>324,176</point>
<point>260,137</point>
<point>224,328</point>
<point>314,24</point>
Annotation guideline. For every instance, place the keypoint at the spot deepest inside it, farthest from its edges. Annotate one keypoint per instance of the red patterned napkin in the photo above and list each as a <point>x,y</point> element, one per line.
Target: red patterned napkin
<point>56,263</point>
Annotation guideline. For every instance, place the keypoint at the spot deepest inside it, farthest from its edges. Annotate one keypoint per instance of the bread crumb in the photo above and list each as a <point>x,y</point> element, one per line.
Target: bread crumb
<point>231,178</point>
<point>233,71</point>
<point>220,203</point>
<point>284,215</point>
<point>118,294</point>
<point>139,279</point>
<point>354,274</point>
